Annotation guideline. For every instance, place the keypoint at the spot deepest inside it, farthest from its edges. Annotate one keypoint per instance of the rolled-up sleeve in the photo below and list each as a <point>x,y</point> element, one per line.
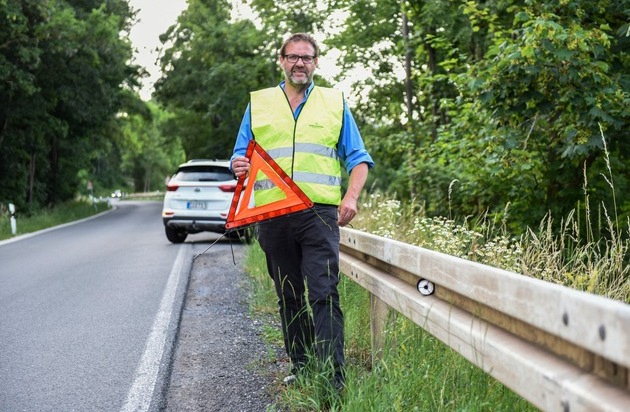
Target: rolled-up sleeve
<point>351,148</point>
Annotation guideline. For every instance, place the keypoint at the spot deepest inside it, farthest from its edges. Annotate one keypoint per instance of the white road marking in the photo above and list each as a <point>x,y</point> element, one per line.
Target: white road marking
<point>50,229</point>
<point>141,392</point>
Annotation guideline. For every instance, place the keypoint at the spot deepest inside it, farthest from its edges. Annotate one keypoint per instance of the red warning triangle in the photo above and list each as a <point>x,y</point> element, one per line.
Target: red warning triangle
<point>242,213</point>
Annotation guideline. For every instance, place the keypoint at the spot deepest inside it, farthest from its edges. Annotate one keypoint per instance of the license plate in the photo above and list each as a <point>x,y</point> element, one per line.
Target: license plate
<point>196,205</point>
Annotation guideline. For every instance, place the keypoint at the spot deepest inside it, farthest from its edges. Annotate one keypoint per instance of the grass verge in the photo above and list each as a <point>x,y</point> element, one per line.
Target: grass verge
<point>49,217</point>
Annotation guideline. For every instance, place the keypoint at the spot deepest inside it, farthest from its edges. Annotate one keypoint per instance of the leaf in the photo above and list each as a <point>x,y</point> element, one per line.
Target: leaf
<point>527,51</point>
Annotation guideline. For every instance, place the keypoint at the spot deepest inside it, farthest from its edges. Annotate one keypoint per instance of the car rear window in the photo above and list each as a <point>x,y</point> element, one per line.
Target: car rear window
<point>204,174</point>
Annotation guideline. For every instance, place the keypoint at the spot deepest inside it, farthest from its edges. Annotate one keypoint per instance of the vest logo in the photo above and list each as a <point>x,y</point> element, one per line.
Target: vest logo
<point>316,126</point>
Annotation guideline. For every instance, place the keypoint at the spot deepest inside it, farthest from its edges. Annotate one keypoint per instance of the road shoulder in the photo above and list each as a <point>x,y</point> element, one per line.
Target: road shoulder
<point>220,362</point>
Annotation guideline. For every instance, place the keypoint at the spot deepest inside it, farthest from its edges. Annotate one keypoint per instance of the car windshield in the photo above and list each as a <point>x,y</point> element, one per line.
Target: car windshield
<point>204,174</point>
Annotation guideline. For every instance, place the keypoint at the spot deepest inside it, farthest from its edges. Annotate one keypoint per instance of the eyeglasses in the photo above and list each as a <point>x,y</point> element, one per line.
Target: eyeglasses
<point>293,58</point>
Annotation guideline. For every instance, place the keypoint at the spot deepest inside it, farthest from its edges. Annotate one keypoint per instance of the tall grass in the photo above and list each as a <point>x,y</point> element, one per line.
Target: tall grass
<point>562,256</point>
<point>419,373</point>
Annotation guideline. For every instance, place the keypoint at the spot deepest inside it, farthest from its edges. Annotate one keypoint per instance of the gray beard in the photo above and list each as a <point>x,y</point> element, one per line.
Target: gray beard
<point>299,82</point>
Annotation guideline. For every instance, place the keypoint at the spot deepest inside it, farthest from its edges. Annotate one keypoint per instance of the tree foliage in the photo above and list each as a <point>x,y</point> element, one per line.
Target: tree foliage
<point>472,107</point>
<point>63,66</point>
<point>209,69</point>
<point>512,102</point>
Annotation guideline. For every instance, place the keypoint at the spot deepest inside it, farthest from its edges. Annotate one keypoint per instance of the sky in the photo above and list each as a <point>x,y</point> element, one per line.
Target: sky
<point>154,18</point>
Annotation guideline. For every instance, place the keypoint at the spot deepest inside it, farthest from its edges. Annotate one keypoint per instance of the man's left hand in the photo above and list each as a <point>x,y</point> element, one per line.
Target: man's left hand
<point>348,206</point>
<point>347,211</point>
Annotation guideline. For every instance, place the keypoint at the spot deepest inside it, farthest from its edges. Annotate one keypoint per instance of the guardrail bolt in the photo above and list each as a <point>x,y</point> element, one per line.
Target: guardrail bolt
<point>602,332</point>
<point>565,319</point>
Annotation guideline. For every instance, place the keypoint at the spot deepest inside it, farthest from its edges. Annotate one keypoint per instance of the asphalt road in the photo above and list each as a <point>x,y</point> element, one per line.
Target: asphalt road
<point>89,311</point>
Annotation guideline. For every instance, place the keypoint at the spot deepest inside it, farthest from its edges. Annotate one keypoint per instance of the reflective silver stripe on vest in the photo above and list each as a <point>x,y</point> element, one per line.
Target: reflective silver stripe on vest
<point>302,177</point>
<point>313,148</point>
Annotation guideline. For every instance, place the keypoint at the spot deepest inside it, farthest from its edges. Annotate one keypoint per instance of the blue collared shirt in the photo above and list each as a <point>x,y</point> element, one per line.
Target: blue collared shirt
<point>350,147</point>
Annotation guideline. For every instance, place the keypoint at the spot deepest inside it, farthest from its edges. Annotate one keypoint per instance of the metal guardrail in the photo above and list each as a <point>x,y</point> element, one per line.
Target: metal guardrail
<point>559,348</point>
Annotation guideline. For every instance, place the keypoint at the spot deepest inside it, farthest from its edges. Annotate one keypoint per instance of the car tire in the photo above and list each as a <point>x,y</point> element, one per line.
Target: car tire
<point>175,236</point>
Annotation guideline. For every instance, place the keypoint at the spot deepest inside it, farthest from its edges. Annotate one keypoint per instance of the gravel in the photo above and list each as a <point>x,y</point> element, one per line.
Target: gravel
<point>220,362</point>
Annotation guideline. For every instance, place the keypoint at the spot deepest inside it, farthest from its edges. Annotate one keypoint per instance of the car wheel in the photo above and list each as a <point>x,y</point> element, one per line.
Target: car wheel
<point>175,236</point>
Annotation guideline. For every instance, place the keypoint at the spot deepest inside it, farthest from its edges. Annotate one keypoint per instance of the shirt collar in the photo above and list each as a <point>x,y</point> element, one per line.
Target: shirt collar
<point>308,89</point>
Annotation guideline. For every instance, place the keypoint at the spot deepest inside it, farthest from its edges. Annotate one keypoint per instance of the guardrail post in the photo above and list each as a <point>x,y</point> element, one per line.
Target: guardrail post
<point>379,314</point>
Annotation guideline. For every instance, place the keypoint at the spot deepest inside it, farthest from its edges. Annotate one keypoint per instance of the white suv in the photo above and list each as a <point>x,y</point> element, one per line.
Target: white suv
<point>198,199</point>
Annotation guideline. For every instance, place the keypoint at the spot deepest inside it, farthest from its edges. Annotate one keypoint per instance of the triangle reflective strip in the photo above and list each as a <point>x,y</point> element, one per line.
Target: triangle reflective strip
<point>242,214</point>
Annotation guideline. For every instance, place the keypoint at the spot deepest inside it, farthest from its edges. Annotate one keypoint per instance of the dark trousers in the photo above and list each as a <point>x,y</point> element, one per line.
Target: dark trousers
<point>302,251</point>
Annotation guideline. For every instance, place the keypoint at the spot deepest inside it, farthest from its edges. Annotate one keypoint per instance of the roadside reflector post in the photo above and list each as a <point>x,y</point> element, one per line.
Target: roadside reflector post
<point>90,188</point>
<point>13,222</point>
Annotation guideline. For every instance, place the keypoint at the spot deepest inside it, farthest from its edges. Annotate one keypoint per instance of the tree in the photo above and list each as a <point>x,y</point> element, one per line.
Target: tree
<point>147,155</point>
<point>508,100</point>
<point>470,107</point>
<point>209,70</point>
<point>62,72</point>
<point>550,81</point>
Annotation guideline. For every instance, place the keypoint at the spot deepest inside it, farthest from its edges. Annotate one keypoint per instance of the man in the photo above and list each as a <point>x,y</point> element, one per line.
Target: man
<point>308,130</point>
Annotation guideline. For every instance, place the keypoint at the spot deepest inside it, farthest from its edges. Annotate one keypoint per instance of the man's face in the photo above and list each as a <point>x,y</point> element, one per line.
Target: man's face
<point>298,72</point>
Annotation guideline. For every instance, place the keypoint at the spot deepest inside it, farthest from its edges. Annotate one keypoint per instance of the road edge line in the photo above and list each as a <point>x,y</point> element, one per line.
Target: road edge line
<point>141,393</point>
<point>50,229</point>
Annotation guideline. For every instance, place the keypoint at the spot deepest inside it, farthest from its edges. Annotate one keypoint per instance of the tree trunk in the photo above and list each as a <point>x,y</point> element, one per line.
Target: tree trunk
<point>408,84</point>
<point>433,95</point>
<point>3,131</point>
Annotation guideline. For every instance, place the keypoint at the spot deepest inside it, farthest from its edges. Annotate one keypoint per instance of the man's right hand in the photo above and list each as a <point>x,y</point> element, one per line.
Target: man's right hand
<point>240,166</point>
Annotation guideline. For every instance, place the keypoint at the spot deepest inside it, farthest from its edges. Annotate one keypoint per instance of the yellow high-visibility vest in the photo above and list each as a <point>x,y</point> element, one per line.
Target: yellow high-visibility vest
<point>305,148</point>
